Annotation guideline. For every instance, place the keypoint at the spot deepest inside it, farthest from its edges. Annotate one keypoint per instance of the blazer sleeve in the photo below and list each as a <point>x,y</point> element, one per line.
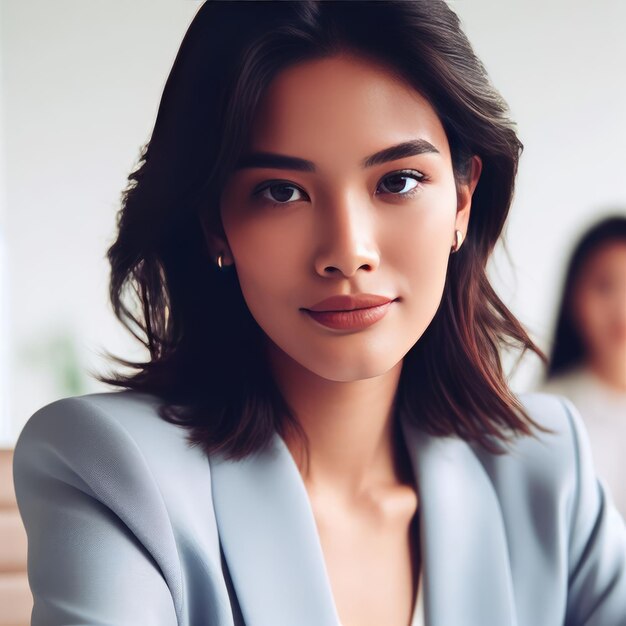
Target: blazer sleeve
<point>597,543</point>
<point>100,546</point>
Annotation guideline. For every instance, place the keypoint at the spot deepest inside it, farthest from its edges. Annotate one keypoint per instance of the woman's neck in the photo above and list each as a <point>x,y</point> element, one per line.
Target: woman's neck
<point>353,445</point>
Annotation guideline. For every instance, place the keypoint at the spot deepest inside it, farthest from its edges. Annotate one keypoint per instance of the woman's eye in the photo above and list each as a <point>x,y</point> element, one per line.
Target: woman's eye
<point>404,183</point>
<point>396,184</point>
<point>279,193</point>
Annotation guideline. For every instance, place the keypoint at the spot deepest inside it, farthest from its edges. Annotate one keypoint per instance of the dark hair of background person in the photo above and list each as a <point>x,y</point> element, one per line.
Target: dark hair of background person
<point>568,349</point>
<point>206,359</point>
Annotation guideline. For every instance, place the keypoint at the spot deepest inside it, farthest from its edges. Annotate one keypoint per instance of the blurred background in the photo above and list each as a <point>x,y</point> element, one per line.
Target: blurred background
<point>80,83</point>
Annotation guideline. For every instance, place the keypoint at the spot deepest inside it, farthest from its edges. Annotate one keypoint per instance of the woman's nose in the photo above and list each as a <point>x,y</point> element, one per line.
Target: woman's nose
<point>347,240</point>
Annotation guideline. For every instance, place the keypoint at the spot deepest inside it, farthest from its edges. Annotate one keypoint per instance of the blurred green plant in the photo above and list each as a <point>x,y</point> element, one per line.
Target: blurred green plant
<point>57,356</point>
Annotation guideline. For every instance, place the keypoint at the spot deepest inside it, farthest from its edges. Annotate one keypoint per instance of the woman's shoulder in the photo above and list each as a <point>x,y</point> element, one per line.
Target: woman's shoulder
<point>111,452</point>
<point>573,510</point>
<point>93,411</point>
<point>548,460</point>
<point>113,445</point>
<point>104,485</point>
<point>555,412</point>
<point>560,419</point>
<point>552,476</point>
<point>110,423</point>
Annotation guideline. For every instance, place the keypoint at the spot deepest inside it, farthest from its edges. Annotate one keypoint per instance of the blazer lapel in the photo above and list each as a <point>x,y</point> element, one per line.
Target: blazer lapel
<point>273,551</point>
<point>467,575</point>
<point>270,540</point>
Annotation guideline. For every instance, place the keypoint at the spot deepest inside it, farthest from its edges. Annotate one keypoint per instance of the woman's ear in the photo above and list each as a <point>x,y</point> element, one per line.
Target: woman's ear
<point>216,243</point>
<point>465,191</point>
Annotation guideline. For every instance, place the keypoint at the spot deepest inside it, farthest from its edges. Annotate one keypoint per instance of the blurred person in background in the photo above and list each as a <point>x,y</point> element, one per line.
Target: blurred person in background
<point>588,359</point>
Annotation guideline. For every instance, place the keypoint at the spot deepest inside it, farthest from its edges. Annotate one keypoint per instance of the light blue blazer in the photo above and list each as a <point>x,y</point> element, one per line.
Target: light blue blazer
<point>130,526</point>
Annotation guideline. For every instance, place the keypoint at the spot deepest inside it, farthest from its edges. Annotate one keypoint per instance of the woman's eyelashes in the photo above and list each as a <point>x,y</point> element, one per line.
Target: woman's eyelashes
<point>399,181</point>
<point>404,183</point>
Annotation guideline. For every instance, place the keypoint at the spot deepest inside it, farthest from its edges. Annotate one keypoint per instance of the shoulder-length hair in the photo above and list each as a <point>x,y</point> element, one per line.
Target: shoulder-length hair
<point>568,348</point>
<point>206,361</point>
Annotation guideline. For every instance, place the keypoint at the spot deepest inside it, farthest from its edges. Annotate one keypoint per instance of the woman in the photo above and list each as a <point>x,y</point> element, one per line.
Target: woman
<point>339,444</point>
<point>588,360</point>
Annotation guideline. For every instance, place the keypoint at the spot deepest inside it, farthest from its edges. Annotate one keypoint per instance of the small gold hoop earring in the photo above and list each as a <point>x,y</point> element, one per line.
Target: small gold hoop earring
<point>220,260</point>
<point>458,239</point>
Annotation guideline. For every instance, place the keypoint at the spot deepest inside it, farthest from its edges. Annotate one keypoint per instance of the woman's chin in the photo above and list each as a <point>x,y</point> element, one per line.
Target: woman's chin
<point>352,368</point>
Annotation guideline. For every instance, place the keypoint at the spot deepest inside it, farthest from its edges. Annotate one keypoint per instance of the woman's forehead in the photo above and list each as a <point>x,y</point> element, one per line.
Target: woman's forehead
<point>344,104</point>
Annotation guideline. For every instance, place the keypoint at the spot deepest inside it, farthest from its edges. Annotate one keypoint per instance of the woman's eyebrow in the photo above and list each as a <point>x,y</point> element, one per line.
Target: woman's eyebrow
<point>284,162</point>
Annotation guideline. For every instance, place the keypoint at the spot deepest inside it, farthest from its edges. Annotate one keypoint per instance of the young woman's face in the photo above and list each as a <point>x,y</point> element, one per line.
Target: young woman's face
<point>600,303</point>
<point>341,225</point>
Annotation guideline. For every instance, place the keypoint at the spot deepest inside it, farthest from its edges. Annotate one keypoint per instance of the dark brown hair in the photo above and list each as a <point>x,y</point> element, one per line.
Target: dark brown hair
<point>206,359</point>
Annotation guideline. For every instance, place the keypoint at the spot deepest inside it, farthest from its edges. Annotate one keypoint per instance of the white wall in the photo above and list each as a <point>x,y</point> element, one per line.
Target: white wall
<point>81,82</point>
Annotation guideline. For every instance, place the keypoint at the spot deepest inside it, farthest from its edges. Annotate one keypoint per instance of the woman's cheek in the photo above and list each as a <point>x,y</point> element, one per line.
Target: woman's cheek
<point>271,254</point>
<point>421,241</point>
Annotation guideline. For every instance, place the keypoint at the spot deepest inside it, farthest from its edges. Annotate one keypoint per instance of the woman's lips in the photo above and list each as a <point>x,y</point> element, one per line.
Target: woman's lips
<point>357,319</point>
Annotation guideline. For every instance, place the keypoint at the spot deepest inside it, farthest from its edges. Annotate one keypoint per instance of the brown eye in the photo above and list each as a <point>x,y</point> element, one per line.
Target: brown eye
<point>278,193</point>
<point>402,183</point>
